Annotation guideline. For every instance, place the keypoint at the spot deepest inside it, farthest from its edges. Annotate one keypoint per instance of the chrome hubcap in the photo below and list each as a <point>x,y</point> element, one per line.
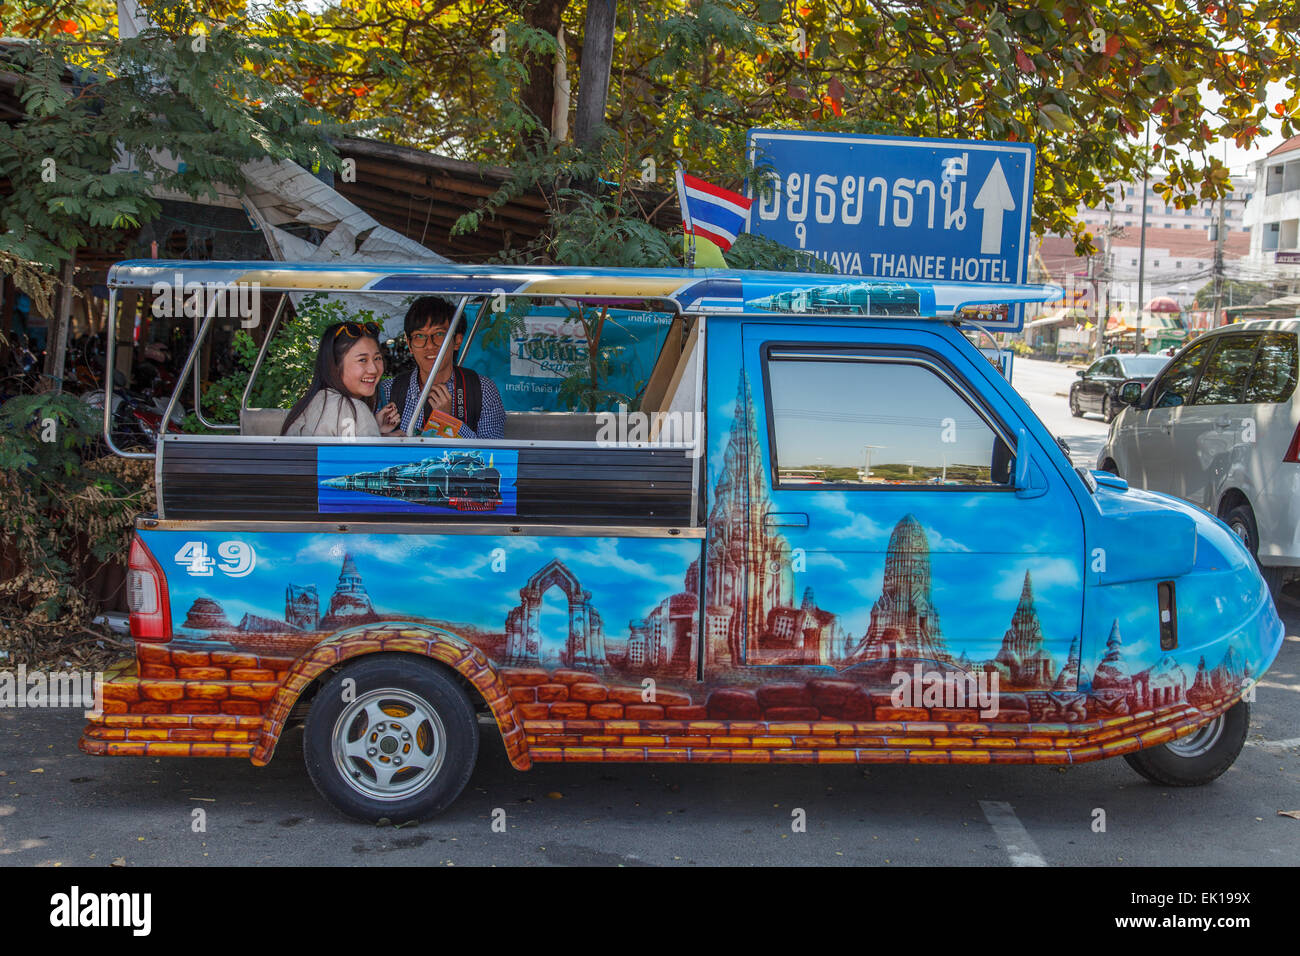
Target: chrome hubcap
<point>1194,745</point>
<point>1241,531</point>
<point>388,744</point>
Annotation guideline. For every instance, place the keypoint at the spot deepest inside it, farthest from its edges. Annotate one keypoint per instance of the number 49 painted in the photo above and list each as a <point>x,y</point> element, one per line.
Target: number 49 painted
<point>238,558</point>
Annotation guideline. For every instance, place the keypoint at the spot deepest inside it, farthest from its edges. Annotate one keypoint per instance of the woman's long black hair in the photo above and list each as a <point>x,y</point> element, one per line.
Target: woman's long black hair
<point>329,358</point>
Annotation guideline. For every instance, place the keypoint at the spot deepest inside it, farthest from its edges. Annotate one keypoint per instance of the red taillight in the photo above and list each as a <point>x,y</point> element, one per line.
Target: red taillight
<point>1293,449</point>
<point>146,596</point>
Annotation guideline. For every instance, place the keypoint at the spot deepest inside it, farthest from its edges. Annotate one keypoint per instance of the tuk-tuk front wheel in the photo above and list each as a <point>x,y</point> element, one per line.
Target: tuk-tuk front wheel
<point>392,737</point>
<point>1199,757</point>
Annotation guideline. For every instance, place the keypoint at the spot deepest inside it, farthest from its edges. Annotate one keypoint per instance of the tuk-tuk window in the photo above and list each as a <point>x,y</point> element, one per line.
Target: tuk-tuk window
<point>550,366</point>
<point>566,355</point>
<point>878,422</point>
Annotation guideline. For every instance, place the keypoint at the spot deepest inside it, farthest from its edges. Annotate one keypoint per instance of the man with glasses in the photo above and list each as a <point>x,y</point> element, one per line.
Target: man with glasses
<point>460,394</point>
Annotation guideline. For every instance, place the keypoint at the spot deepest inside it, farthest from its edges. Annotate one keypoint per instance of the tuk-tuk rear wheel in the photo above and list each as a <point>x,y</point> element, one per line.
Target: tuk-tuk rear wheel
<point>1198,757</point>
<point>391,736</point>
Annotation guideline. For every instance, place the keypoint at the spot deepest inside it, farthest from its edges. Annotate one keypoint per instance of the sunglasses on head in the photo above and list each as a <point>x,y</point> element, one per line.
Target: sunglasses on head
<point>356,330</point>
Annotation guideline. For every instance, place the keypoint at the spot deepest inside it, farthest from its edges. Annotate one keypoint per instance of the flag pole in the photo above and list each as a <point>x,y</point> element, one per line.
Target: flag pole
<point>688,228</point>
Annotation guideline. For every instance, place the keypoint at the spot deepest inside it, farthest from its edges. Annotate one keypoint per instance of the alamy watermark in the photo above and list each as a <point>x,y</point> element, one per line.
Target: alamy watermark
<point>21,688</point>
<point>949,689</point>
<point>125,910</point>
<point>222,300</point>
<point>624,429</point>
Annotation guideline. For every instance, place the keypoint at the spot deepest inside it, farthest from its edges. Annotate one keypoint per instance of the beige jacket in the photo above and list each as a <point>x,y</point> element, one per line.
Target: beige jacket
<point>329,413</point>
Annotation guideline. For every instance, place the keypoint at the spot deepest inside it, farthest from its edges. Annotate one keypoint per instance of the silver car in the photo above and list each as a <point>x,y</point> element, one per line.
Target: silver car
<point>1220,427</point>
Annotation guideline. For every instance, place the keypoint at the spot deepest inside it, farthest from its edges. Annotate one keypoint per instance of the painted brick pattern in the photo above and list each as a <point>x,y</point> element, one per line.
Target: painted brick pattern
<point>221,704</point>
<point>175,707</point>
<point>846,742</point>
<point>175,681</point>
<point>467,660</point>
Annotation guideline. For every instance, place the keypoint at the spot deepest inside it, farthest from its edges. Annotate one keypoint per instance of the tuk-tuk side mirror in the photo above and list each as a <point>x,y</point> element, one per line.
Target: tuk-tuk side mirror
<point>1130,393</point>
<point>1029,479</point>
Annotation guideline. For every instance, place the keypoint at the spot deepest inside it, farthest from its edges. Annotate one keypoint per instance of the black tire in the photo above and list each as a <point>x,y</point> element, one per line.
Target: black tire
<point>1198,758</point>
<point>1241,519</point>
<point>1108,409</point>
<point>1111,467</point>
<point>1075,410</point>
<point>439,743</point>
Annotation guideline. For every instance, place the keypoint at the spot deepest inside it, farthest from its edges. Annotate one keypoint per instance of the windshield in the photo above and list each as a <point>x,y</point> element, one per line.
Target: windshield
<point>1143,366</point>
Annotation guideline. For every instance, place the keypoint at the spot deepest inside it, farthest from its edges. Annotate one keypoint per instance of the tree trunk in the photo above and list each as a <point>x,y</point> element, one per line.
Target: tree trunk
<point>123,326</point>
<point>593,78</point>
<point>539,94</point>
<point>56,341</point>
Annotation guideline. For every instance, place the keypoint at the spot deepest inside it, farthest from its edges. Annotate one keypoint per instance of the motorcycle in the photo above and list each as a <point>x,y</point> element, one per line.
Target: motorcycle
<point>22,371</point>
<point>137,417</point>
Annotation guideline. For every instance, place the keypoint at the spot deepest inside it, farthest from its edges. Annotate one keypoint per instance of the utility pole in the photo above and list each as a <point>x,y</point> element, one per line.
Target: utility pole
<point>1218,268</point>
<point>1092,286</point>
<point>1104,318</point>
<point>1142,241</point>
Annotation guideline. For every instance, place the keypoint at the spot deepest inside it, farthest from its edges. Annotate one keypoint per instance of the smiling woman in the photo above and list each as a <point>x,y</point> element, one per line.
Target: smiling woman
<point>341,397</point>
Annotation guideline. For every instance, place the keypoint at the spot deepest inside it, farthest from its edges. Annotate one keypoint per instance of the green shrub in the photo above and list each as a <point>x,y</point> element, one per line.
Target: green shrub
<point>63,512</point>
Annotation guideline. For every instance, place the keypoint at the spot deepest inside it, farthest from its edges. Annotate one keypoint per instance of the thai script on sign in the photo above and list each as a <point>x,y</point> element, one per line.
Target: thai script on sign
<point>851,200</point>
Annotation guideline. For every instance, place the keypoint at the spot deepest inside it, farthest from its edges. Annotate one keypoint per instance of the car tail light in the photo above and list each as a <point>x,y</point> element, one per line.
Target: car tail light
<point>146,596</point>
<point>1293,449</point>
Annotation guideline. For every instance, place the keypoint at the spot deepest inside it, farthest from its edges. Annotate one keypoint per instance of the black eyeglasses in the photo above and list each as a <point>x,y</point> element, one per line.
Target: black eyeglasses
<point>420,339</point>
<point>357,329</point>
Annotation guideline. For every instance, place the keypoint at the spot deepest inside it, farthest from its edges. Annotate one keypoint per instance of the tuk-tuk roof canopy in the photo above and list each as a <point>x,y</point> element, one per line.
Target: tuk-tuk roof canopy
<point>713,291</point>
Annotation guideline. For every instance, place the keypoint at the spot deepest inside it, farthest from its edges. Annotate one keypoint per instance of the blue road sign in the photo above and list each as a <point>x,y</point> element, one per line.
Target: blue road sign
<point>945,209</point>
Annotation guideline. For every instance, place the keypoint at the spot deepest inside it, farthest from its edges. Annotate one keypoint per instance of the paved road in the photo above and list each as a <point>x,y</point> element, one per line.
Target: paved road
<point>59,806</point>
<point>1045,386</point>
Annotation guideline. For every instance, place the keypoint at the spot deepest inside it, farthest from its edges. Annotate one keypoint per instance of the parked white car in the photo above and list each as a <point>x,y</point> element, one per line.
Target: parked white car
<point>1220,427</point>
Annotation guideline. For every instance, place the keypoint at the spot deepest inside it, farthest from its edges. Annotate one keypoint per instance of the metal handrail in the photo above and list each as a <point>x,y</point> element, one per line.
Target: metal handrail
<point>110,348</point>
<point>437,363</point>
<point>189,359</point>
<point>261,354</point>
<point>198,394</point>
<point>469,336</point>
<point>997,348</point>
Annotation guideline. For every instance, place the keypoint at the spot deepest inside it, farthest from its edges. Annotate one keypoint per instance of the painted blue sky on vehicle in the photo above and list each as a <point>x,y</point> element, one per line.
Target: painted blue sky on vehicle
<point>447,577</point>
<point>981,541</point>
<point>974,589</point>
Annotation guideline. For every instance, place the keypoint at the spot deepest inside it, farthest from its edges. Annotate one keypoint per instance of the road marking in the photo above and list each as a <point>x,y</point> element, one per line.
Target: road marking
<point>1011,832</point>
<point>1275,744</point>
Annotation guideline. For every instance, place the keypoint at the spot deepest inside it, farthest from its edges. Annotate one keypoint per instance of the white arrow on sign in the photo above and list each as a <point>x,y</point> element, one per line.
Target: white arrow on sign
<point>993,200</point>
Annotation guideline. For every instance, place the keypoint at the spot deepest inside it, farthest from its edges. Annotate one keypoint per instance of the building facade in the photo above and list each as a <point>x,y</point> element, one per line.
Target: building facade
<point>1274,214</point>
<point>1179,252</point>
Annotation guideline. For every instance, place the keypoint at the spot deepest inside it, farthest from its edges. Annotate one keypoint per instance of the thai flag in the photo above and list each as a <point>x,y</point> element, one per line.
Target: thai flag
<point>711,212</point>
